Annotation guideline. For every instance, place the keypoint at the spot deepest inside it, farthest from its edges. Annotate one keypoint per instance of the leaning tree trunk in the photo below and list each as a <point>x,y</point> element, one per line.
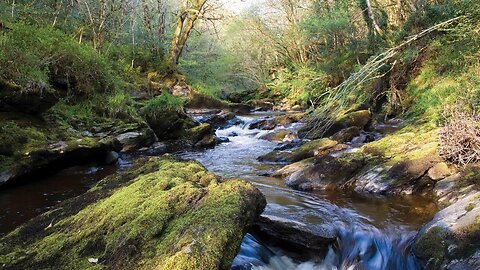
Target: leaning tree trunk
<point>185,23</point>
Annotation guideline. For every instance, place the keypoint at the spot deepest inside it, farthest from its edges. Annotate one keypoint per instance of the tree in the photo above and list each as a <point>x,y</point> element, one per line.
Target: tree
<point>189,13</point>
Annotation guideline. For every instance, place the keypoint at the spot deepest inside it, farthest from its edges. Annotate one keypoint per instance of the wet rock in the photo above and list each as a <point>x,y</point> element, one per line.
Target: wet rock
<point>451,238</point>
<point>371,180</point>
<point>87,134</point>
<point>293,168</point>
<point>55,156</point>
<point>346,135</point>
<point>207,141</point>
<point>163,215</point>
<point>219,120</point>
<point>275,156</point>
<point>155,149</point>
<point>307,150</point>
<point>220,140</point>
<point>289,145</point>
<point>295,232</point>
<point>326,172</point>
<point>111,157</point>
<point>134,140</point>
<point>263,124</point>
<point>280,135</point>
<point>197,133</point>
<point>363,137</point>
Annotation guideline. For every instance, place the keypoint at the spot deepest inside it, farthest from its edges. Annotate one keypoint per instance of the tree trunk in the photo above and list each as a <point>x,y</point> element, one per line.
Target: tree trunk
<point>371,14</point>
<point>185,23</point>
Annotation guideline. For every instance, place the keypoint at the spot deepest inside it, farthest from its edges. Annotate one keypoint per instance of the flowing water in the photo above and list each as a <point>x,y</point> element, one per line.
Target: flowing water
<point>373,232</point>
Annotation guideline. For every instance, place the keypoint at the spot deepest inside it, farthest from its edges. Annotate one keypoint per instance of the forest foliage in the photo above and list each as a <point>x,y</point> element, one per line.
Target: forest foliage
<point>292,51</point>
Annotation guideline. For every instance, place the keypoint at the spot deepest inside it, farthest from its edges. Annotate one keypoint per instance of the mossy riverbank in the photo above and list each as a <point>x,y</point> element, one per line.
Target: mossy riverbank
<point>165,214</point>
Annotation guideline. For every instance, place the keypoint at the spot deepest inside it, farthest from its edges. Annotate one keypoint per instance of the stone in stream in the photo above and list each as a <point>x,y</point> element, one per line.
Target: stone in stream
<point>326,172</point>
<point>295,232</point>
<point>111,157</point>
<point>263,124</point>
<point>307,150</point>
<point>452,239</point>
<point>280,135</point>
<point>218,120</point>
<point>134,140</point>
<point>164,214</point>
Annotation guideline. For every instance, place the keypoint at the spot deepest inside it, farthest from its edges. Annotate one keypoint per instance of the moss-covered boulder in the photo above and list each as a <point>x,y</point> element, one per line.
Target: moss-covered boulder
<point>169,124</point>
<point>32,144</point>
<point>164,215</point>
<point>452,239</point>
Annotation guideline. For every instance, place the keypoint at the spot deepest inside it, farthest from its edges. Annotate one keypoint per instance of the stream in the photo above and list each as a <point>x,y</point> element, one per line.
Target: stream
<point>374,232</point>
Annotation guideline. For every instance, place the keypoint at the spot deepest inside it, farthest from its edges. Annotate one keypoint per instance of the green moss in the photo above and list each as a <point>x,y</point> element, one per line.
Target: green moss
<point>178,216</point>
<point>467,239</point>
<point>470,207</point>
<point>280,135</point>
<point>432,245</point>
<point>164,103</point>
<point>409,143</point>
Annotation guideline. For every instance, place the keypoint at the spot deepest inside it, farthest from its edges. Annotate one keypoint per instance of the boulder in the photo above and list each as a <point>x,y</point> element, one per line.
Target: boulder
<point>451,239</point>
<point>197,133</point>
<point>207,141</point>
<point>293,168</point>
<point>169,124</point>
<point>164,215</point>
<point>357,119</point>
<point>134,140</point>
<point>280,135</point>
<point>408,173</point>
<point>263,124</point>
<point>346,135</point>
<point>439,171</point>
<point>289,118</point>
<point>327,172</point>
<point>111,157</point>
<point>218,120</point>
<point>295,232</point>
<point>307,150</point>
